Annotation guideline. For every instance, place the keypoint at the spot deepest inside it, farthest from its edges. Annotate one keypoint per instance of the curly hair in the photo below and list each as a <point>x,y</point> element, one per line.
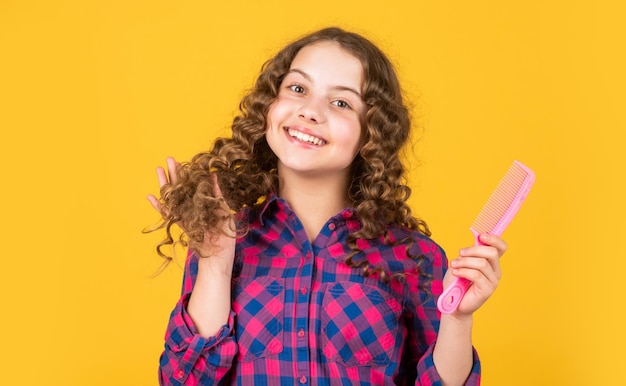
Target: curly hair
<point>246,167</point>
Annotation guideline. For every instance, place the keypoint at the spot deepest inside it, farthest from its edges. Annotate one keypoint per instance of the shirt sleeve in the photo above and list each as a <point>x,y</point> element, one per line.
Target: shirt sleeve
<point>189,358</point>
<point>427,373</point>
<point>425,319</point>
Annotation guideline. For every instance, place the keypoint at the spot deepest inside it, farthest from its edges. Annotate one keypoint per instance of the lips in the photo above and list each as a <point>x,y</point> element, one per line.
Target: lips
<point>304,137</point>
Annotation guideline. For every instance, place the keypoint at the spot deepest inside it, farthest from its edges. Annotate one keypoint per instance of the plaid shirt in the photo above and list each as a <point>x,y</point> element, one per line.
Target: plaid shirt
<point>301,316</point>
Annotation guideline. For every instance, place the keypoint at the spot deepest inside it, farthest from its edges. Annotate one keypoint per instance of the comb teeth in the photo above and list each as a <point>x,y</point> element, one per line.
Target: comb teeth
<point>506,198</point>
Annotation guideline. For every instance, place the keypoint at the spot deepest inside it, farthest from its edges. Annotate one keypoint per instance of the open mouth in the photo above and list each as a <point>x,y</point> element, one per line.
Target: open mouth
<point>307,138</point>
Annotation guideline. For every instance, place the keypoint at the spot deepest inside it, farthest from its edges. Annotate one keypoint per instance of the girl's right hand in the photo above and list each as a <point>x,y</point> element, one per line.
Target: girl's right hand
<point>219,249</point>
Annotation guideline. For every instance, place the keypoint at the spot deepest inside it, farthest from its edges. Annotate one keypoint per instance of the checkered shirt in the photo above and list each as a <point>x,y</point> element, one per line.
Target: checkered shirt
<point>300,316</point>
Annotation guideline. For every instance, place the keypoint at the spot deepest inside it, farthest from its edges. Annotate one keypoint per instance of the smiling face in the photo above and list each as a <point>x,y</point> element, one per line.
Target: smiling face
<point>314,125</point>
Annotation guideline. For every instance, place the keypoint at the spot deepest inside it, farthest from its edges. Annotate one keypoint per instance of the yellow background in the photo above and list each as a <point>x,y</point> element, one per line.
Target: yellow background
<point>95,94</point>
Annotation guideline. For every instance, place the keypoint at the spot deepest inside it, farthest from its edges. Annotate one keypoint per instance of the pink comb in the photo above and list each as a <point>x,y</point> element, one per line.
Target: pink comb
<point>497,213</point>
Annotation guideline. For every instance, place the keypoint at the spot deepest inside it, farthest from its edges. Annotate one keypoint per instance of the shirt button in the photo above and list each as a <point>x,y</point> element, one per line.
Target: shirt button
<point>308,255</point>
<point>303,379</point>
<point>303,290</point>
<point>301,333</point>
<point>180,374</point>
<point>332,226</point>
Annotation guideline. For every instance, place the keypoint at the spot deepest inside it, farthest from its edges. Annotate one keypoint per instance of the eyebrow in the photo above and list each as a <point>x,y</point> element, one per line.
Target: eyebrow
<point>338,87</point>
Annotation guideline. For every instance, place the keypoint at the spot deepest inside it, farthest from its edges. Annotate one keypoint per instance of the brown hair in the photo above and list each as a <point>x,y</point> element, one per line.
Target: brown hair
<point>246,166</point>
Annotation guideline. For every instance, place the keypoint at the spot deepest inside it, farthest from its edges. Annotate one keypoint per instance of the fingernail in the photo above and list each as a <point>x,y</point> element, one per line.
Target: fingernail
<point>454,263</point>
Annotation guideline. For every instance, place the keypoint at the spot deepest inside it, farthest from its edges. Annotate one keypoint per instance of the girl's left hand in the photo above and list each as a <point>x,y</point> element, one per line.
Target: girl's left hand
<point>481,265</point>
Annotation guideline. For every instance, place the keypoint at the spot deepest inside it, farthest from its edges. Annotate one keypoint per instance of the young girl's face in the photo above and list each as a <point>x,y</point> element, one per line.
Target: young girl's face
<point>314,125</point>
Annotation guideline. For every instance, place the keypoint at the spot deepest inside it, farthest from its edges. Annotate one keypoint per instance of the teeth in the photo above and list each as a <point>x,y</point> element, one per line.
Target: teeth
<point>305,137</point>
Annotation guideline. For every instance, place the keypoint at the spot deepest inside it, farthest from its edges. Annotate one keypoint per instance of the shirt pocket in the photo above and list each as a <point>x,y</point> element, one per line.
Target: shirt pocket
<point>259,304</point>
<point>360,324</point>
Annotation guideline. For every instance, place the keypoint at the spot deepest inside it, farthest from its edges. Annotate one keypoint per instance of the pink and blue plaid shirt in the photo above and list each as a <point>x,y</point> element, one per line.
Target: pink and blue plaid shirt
<point>300,316</point>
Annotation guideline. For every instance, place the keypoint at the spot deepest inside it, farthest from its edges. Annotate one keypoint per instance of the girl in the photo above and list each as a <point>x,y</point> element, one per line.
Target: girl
<point>306,265</point>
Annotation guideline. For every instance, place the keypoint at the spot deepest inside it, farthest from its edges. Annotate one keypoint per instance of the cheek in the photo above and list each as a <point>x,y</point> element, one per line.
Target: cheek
<point>273,125</point>
<point>269,117</point>
<point>277,111</point>
<point>353,134</point>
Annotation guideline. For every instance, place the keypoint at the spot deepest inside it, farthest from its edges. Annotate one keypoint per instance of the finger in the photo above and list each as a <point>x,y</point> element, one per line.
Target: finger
<point>156,204</point>
<point>475,267</point>
<point>488,253</point>
<point>475,276</point>
<point>162,176</point>
<point>483,284</point>
<point>484,251</point>
<point>217,192</point>
<point>494,241</point>
<point>481,289</point>
<point>171,169</point>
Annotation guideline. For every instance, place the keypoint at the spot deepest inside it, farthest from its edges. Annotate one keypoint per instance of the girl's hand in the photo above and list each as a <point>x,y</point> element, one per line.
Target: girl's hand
<point>481,265</point>
<point>221,247</point>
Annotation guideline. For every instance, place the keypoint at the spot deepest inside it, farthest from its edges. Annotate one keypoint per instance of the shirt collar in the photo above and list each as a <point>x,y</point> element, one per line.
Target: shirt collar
<point>273,199</point>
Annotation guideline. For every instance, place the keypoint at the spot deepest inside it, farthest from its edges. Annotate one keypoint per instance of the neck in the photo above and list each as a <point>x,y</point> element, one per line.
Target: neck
<point>314,200</point>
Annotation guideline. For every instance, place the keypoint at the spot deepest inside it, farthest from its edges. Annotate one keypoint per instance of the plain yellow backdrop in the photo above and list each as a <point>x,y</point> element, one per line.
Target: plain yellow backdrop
<point>95,94</point>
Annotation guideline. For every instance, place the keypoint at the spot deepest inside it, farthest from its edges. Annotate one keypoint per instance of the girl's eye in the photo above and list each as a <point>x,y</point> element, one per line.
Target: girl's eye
<point>297,88</point>
<point>341,104</point>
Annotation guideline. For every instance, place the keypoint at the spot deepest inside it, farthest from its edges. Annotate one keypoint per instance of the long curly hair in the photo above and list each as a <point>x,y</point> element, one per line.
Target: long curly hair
<point>246,167</point>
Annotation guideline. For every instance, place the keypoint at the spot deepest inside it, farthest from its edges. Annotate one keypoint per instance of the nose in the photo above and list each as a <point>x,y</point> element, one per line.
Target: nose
<point>312,110</point>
